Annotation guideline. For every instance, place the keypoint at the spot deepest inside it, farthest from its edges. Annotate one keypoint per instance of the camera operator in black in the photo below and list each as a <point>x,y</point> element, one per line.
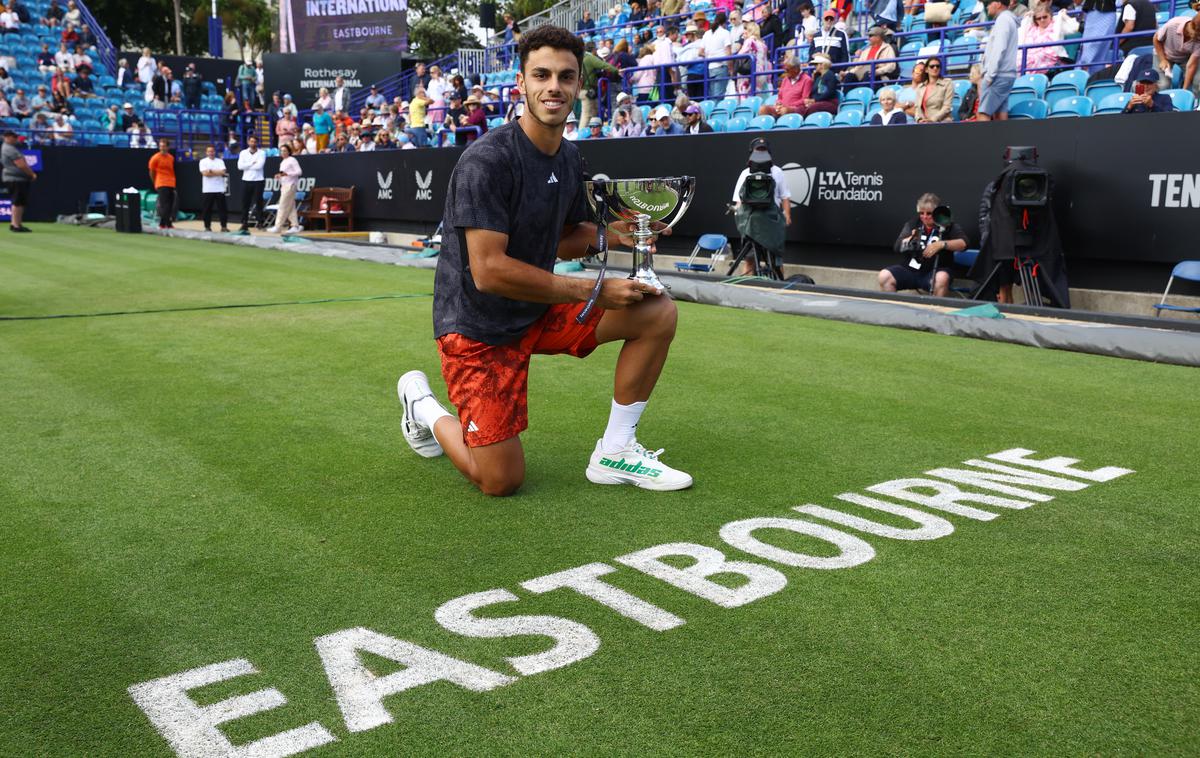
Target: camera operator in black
<point>762,206</point>
<point>927,248</point>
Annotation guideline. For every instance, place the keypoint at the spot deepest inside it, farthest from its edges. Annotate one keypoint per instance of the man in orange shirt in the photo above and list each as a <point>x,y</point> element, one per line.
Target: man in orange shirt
<point>162,174</point>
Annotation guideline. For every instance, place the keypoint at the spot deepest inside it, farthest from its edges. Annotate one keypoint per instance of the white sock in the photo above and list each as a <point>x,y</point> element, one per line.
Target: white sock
<point>428,410</point>
<point>622,425</point>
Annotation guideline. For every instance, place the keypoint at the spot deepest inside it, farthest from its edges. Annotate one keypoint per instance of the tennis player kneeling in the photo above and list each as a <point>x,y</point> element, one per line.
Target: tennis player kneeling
<point>515,204</point>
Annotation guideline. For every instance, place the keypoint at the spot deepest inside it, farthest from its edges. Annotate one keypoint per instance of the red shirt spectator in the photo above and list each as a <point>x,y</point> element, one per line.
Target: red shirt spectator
<point>795,87</point>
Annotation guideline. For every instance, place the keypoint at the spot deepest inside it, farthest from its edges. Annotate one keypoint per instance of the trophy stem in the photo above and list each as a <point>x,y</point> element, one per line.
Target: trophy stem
<point>643,264</point>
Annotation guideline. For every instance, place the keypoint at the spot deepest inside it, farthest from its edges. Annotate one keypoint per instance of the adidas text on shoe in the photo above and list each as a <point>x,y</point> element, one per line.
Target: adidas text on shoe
<point>412,387</point>
<point>637,466</point>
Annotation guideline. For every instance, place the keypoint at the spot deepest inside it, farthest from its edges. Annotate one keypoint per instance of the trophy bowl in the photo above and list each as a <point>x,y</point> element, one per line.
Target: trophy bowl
<point>641,209</point>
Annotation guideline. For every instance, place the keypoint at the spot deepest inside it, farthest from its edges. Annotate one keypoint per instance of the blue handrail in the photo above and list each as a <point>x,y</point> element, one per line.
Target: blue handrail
<point>104,46</point>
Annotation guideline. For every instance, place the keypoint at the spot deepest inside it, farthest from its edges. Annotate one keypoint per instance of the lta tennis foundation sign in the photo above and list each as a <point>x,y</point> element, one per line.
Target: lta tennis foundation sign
<point>978,490</point>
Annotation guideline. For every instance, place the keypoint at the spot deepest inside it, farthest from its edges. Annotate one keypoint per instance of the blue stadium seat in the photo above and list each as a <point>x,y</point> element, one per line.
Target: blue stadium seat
<point>1100,90</point>
<point>967,49</point>
<point>1071,106</point>
<point>748,107</point>
<point>1034,83</point>
<point>860,96</point>
<point>847,118</point>
<point>706,107</point>
<point>1184,99</point>
<point>736,124</point>
<point>1114,103</point>
<point>818,120</point>
<point>760,122</point>
<point>789,121</point>
<point>1028,109</point>
<point>719,122</point>
<point>1067,84</point>
<point>960,88</point>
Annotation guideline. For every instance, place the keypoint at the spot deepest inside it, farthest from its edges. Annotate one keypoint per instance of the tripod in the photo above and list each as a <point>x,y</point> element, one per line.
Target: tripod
<point>1027,273</point>
<point>765,265</point>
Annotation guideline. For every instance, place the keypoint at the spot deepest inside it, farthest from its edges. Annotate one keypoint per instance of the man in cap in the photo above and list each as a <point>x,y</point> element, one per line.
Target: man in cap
<point>830,40</point>
<point>692,53</point>
<point>595,128</point>
<point>376,98</point>
<point>17,177</point>
<point>128,117</point>
<point>593,68</point>
<point>664,125</point>
<point>695,121</point>
<point>571,130</point>
<point>1147,98</point>
<point>874,52</point>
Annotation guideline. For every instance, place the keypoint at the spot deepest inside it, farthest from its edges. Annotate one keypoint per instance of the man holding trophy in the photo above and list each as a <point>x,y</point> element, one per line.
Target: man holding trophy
<point>517,201</point>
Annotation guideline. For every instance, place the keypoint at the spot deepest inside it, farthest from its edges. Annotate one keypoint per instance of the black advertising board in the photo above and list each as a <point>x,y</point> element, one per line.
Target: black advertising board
<point>302,75</point>
<point>344,25</point>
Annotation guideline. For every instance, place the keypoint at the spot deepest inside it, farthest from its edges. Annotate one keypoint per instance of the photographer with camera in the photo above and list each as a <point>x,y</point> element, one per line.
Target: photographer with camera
<point>762,208</point>
<point>927,244</point>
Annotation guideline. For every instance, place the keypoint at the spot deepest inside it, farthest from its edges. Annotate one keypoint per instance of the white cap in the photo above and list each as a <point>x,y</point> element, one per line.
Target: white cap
<point>127,105</point>
<point>622,97</point>
<point>661,112</point>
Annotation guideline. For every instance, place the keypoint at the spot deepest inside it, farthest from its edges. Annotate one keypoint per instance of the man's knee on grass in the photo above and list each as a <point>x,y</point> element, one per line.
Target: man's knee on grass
<point>500,483</point>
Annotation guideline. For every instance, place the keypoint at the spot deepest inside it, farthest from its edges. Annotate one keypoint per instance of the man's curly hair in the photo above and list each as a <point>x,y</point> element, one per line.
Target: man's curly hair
<point>550,36</point>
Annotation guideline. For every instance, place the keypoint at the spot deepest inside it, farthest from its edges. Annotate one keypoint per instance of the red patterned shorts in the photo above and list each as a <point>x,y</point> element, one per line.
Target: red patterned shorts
<point>487,383</point>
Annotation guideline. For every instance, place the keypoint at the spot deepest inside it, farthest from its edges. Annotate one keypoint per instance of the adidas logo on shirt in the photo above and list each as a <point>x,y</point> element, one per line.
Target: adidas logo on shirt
<point>471,427</point>
<point>553,179</point>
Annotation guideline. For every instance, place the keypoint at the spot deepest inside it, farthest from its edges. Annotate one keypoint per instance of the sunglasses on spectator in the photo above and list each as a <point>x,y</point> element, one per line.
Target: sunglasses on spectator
<point>1040,18</point>
<point>933,65</point>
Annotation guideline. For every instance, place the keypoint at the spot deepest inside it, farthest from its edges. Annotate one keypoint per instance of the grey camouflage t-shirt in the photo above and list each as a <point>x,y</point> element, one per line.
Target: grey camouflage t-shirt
<point>9,155</point>
<point>505,184</point>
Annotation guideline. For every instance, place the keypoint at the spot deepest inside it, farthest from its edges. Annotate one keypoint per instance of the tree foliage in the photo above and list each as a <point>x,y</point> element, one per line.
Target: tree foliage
<point>248,22</point>
<point>148,23</point>
<point>439,27</point>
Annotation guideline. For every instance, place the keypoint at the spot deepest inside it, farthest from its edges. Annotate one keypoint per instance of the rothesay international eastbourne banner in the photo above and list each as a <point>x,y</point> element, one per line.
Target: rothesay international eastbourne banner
<point>343,25</point>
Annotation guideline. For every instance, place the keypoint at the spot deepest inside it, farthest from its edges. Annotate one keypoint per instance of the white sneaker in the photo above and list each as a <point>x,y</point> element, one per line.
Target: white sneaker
<point>412,387</point>
<point>637,466</point>
<point>294,230</point>
<point>273,230</point>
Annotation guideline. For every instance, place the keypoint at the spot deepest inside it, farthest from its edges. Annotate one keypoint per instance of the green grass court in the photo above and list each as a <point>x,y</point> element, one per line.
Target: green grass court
<point>185,488</point>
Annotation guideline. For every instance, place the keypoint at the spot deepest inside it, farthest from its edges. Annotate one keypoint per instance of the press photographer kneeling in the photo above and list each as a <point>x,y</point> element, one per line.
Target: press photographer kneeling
<point>928,244</point>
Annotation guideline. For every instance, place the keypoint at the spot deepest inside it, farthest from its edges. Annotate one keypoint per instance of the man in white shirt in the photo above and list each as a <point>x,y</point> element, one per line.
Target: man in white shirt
<point>64,133</point>
<point>250,163</point>
<point>664,54</point>
<point>147,67</point>
<point>341,96</point>
<point>212,186</point>
<point>717,45</point>
<point>63,58</point>
<point>735,29</point>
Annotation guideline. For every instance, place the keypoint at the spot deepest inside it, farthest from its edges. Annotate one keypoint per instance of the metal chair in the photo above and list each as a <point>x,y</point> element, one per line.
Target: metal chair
<point>1189,270</point>
<point>717,247</point>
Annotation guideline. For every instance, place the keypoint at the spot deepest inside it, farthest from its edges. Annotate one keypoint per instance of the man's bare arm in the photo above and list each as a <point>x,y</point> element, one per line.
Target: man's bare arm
<point>576,240</point>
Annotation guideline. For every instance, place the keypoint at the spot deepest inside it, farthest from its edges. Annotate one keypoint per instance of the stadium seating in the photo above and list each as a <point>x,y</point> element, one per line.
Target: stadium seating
<point>1100,90</point>
<point>1114,103</point>
<point>818,120</point>
<point>1065,85</point>
<point>789,121</point>
<point>1028,109</point>
<point>1071,106</point>
<point>748,108</point>
<point>847,118</point>
<point>1028,87</point>
<point>736,124</point>
<point>1183,99</point>
<point>760,122</point>
<point>856,100</point>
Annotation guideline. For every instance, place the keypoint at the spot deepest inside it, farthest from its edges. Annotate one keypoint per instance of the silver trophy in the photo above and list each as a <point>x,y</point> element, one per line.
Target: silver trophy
<point>642,209</point>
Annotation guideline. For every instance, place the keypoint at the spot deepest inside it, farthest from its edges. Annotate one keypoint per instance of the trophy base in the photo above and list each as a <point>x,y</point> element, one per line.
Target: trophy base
<point>647,276</point>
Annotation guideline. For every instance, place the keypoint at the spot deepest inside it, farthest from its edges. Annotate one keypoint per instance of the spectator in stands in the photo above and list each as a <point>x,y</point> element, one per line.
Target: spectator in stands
<point>438,86</point>
<point>824,89</point>
<point>146,66</point>
<point>322,124</point>
<point>887,13</point>
<point>63,58</point>
<point>60,91</point>
<point>475,117</point>
<point>795,89</point>
<point>73,16</point>
<point>664,125</point>
<point>908,93</point>
<point>41,99</point>
<point>637,12</point>
<point>17,177</point>
<point>300,146</point>
<point>692,53</point>
<point>288,175</point>
<point>251,162</point>
<point>140,136</point>
<point>340,96</point>
<point>39,129</point>
<point>459,86</point>
<point>515,106</point>
<point>6,82</point>
<point>259,82</point>
<point>512,31</point>
<point>112,118</point>
<point>212,188</point>
<point>663,54</point>
<point>596,128</point>
<point>128,119</point>
<point>87,40</point>
<point>193,87</point>
<point>969,107</point>
<point>421,76</point>
<point>717,45</point>
<point>641,81</point>
<point>571,128</point>
<point>672,8</point>
<point>736,28</point>
<point>375,99</point>
<point>10,22</point>
<point>5,108</point>
<point>1099,20</point>
<point>927,252</point>
<point>1040,26</point>
<point>753,45</point>
<point>383,141</point>
<point>20,105</point>
<point>290,107</point>
<point>45,60</point>
<point>999,62</point>
<point>245,81</point>
<point>1146,97</point>
<point>54,15</point>
<point>84,86</point>
<point>69,35</point>
<point>417,109</point>
<point>888,114</point>
<point>160,86</point>
<point>623,125</point>
<point>1177,42</point>
<point>162,176</point>
<point>831,41</point>
<point>124,76</point>
<point>771,28</point>
<point>586,25</point>
<point>695,121</point>
<point>286,128</point>
<point>341,121</point>
<point>80,60</point>
<point>1138,16</point>
<point>935,100</point>
<point>876,50</point>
